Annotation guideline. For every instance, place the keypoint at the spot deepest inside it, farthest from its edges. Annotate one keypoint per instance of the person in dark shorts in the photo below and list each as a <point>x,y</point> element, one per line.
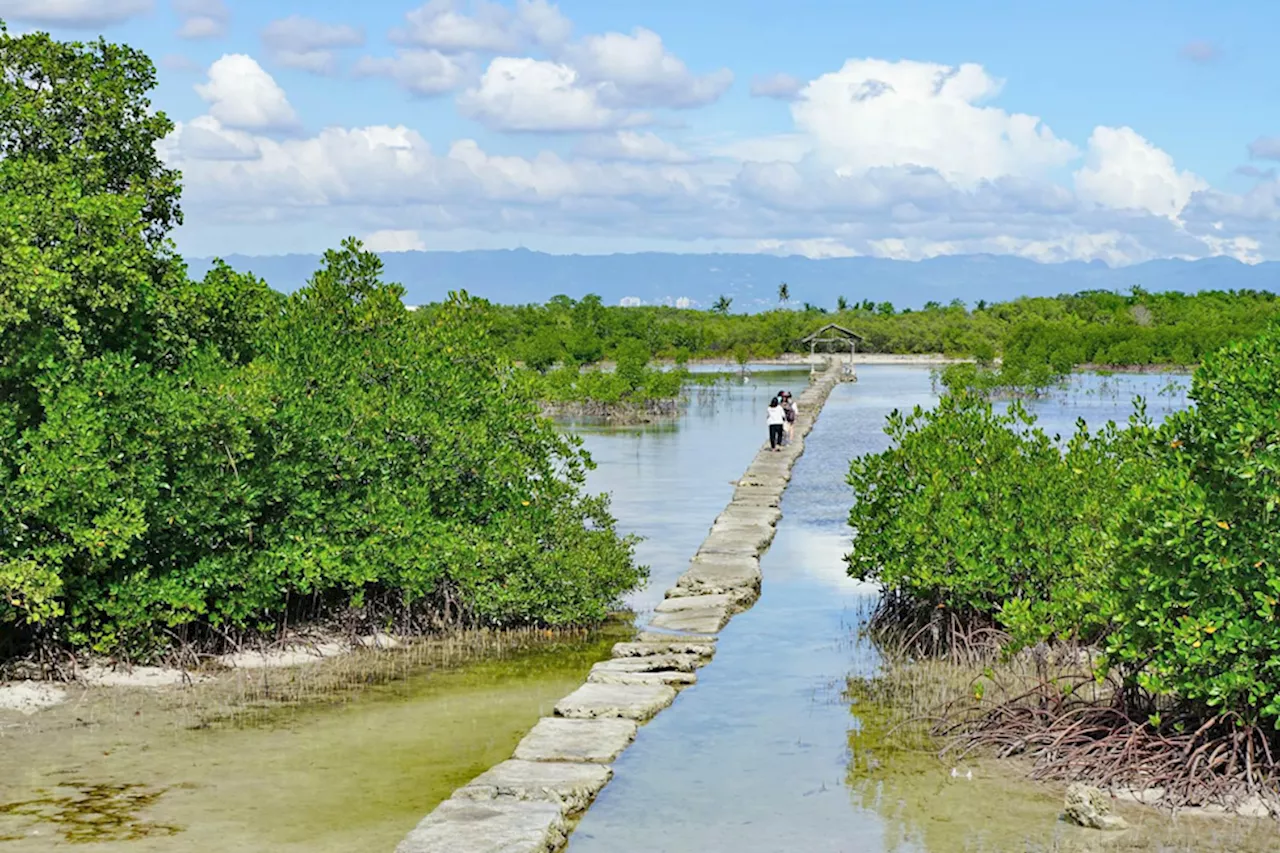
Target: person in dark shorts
<point>776,418</point>
<point>788,415</point>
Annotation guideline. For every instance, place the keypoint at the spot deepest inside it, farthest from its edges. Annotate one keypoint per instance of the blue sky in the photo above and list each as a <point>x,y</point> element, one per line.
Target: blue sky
<point>1111,131</point>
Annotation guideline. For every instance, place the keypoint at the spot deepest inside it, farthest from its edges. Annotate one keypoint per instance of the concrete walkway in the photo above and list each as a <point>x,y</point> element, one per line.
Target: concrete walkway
<point>528,803</point>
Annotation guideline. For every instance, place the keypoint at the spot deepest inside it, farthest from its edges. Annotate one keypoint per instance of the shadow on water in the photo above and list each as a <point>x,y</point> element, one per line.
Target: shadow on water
<point>768,751</point>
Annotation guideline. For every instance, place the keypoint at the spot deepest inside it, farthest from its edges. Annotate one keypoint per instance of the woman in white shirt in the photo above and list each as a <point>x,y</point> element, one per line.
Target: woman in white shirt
<point>775,419</point>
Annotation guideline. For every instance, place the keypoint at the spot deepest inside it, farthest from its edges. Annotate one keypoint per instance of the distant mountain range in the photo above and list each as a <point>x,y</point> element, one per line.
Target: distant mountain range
<point>523,276</point>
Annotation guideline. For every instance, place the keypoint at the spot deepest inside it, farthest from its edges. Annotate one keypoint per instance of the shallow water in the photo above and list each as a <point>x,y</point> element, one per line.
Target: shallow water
<point>353,766</point>
<point>194,770</point>
<point>669,480</point>
<point>756,756</point>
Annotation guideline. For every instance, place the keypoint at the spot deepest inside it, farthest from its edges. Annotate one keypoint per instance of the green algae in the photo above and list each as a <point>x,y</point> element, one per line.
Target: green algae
<point>82,813</point>
<point>340,756</point>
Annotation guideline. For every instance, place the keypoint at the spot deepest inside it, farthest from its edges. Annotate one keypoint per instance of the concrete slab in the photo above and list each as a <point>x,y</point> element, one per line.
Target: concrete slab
<point>601,673</point>
<point>699,614</point>
<point>570,786</point>
<point>740,597</point>
<point>644,648</point>
<point>598,741</point>
<point>674,636</point>
<point>718,543</point>
<point>497,826</point>
<point>654,663</point>
<point>694,602</point>
<point>629,702</point>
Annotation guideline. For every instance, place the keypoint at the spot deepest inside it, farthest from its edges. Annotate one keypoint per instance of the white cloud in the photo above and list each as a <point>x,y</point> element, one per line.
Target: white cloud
<point>783,87</point>
<point>820,247</point>
<point>393,167</point>
<point>637,71</point>
<point>202,19</point>
<point>875,113</point>
<point>630,301</point>
<point>641,147</point>
<point>205,138</point>
<point>309,44</point>
<point>421,72</point>
<point>481,26</point>
<point>243,96</point>
<point>522,94</point>
<point>542,23</point>
<point>395,241</point>
<point>684,302</point>
<point>887,159</point>
<point>75,14</point>
<point>1126,172</point>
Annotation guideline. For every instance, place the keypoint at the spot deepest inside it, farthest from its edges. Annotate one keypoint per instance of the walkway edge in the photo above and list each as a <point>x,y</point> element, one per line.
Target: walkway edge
<point>528,804</point>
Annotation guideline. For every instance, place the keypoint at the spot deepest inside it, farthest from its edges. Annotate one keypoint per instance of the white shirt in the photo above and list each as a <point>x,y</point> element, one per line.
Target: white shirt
<point>776,416</point>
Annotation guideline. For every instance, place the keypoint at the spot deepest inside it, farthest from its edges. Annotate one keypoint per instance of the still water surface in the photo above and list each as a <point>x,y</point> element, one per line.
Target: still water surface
<point>752,758</point>
<point>755,756</point>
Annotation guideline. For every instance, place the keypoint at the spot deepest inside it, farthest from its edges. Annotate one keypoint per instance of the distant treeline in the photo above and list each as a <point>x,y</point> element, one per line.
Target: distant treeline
<point>1096,327</point>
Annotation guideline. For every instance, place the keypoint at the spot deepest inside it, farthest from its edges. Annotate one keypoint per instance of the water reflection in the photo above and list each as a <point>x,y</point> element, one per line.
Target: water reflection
<point>756,756</point>
<point>670,479</point>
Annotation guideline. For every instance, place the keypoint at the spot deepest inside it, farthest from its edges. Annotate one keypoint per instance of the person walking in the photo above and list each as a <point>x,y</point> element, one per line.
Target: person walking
<point>776,418</point>
<point>788,415</point>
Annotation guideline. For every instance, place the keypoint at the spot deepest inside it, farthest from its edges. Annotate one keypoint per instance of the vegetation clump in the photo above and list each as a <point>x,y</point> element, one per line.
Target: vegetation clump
<point>1145,558</point>
<point>196,461</point>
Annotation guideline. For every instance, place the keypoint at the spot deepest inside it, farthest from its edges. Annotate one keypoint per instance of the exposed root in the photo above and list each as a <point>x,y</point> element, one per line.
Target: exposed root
<point>904,629</point>
<point>1072,729</point>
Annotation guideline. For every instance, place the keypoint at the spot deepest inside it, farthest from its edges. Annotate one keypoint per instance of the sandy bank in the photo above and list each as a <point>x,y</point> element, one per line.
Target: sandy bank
<point>29,696</point>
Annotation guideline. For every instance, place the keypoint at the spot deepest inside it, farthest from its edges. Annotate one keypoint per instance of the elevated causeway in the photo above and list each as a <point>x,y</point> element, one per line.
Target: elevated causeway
<point>529,803</point>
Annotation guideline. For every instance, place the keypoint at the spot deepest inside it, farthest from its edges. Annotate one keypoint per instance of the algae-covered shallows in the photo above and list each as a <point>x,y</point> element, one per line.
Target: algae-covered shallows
<point>524,805</point>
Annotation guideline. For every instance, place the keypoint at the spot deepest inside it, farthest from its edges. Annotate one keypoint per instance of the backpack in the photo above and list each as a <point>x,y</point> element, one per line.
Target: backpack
<point>789,413</point>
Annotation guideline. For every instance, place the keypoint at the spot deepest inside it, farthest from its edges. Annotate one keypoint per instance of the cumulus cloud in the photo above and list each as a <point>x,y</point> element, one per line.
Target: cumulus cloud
<point>875,113</point>
<point>74,14</point>
<point>241,95</point>
<point>1265,148</point>
<point>483,26</point>
<point>1123,170</point>
<point>202,19</point>
<point>783,87</point>
<point>889,159</point>
<point>391,167</point>
<point>643,147</point>
<point>1200,51</point>
<point>819,247</point>
<point>205,138</point>
<point>523,94</point>
<point>395,241</point>
<point>309,44</point>
<point>421,72</point>
<point>636,70</point>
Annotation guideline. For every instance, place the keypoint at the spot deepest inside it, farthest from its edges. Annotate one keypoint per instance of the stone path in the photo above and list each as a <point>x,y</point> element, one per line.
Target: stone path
<point>527,804</point>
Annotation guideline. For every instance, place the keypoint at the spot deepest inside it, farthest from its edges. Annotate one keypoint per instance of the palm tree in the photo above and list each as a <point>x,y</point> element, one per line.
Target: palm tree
<point>722,304</point>
<point>784,293</point>
<point>842,304</point>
